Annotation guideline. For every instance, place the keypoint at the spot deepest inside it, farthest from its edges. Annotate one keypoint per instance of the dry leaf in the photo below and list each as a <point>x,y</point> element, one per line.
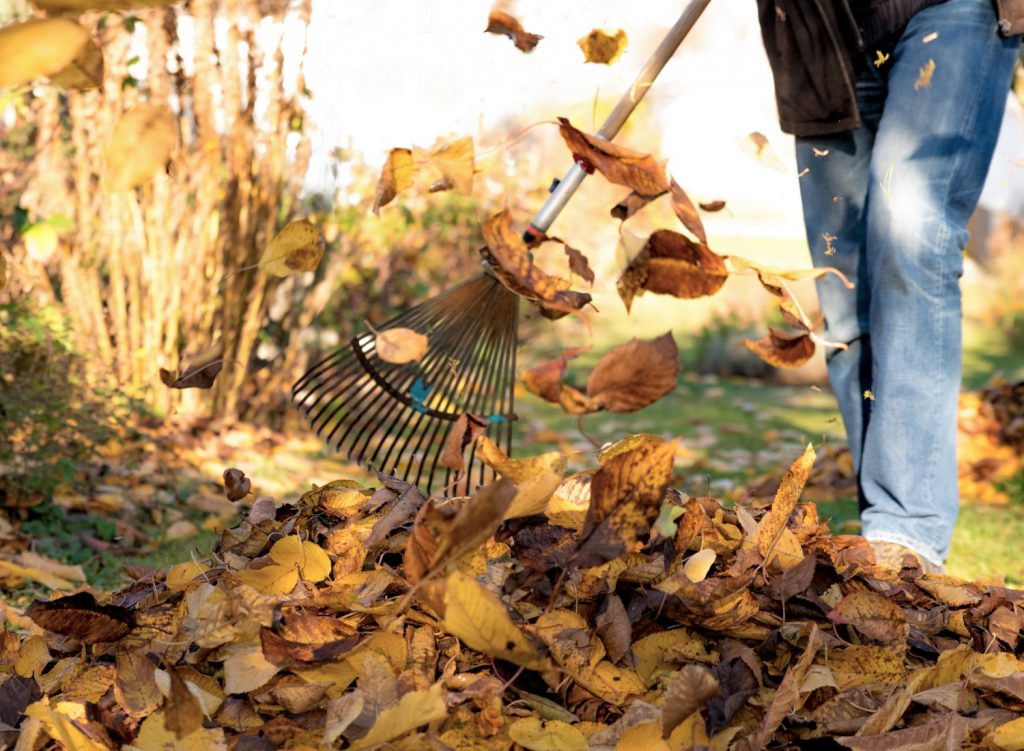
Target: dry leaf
<point>453,161</point>
<point>875,616</point>
<point>924,76</point>
<point>201,372</point>
<point>687,691</point>
<point>79,6</point>
<point>757,145</point>
<point>81,617</point>
<point>712,206</point>
<point>395,177</point>
<point>578,263</point>
<point>464,432</point>
<point>297,248</point>
<point>84,72</point>
<point>634,375</point>
<point>482,622</point>
<point>639,172</point>
<point>687,212</point>
<point>499,22</point>
<point>783,350</point>
<point>140,146</point>
<point>400,346</point>
<point>308,557</point>
<point>38,47</point>
<point>677,266</point>
<point>536,734</point>
<point>414,709</point>
<point>697,565</point>
<point>600,46</point>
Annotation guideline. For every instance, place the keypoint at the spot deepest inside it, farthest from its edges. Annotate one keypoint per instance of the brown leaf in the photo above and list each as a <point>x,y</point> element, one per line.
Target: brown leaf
<point>639,172</point>
<point>465,431</point>
<point>289,653</point>
<point>502,23</point>
<point>454,161</point>
<point>687,212</point>
<point>201,372</point>
<point>632,280</point>
<point>546,380</point>
<point>712,206</point>
<point>631,204</point>
<point>395,177</point>
<point>945,734</point>
<point>783,350</point>
<point>682,268</point>
<point>135,688</point>
<point>512,263</point>
<point>182,713</point>
<point>578,263</point>
<point>601,47</point>
<point>796,579</point>
<point>615,629</point>
<point>236,484</point>
<point>875,616</point>
<point>625,498</point>
<point>477,519</point>
<point>687,691</point>
<point>786,696</point>
<point>774,522</point>
<point>81,617</point>
<point>634,375</point>
<point>757,145</point>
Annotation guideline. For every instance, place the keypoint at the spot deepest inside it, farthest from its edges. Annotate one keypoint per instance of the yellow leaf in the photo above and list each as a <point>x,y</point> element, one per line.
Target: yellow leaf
<point>33,656</point>
<point>140,146</point>
<point>536,734</point>
<point>246,670</point>
<point>769,529</point>
<point>180,575</point>
<point>652,652</point>
<point>154,736</point>
<point>644,736</point>
<point>481,620</point>
<point>414,709</point>
<point>298,247</point>
<point>696,568</point>
<point>394,178</point>
<point>59,723</point>
<point>601,47</point>
<point>40,242</point>
<point>454,161</point>
<point>209,701</point>
<point>532,495</point>
<point>39,47</point>
<point>45,578</point>
<point>271,580</point>
<point>519,471</point>
<point>1007,737</point>
<point>399,346</point>
<point>313,563</point>
<point>84,72</point>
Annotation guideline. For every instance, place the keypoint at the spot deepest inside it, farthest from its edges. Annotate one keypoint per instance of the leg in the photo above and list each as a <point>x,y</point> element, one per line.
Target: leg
<point>931,154</point>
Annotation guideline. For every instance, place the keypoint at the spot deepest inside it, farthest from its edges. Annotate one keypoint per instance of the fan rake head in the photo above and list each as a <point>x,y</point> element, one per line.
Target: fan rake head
<point>397,418</point>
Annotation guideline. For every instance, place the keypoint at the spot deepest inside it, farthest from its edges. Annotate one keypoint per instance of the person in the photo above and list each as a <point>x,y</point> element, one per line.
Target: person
<point>896,107</point>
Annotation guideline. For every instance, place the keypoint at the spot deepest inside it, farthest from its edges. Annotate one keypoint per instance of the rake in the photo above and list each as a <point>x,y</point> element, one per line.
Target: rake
<point>397,418</point>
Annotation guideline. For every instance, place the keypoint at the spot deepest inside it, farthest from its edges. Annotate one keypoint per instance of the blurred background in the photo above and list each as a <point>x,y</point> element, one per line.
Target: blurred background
<point>287,109</point>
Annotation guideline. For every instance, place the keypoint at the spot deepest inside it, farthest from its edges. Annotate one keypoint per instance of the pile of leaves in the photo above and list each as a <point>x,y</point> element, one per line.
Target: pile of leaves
<point>597,611</point>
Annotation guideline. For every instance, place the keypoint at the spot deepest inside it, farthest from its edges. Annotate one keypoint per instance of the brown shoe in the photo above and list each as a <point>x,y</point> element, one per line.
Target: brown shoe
<point>892,555</point>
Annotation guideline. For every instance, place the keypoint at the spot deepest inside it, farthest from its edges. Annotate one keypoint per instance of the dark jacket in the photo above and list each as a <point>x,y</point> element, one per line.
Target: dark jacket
<point>811,46</point>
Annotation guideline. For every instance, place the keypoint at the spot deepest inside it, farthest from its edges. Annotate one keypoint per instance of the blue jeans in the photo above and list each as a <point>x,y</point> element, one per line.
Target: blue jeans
<point>888,206</point>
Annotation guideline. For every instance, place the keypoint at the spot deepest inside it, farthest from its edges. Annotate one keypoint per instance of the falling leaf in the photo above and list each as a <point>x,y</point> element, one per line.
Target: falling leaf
<point>712,206</point>
<point>536,734</point>
<point>512,263</point>
<point>757,145</point>
<point>297,248</point>
<point>453,161</point>
<point>687,212</point>
<point>930,37</point>
<point>38,47</point>
<point>819,152</point>
<point>465,431</point>
<point>578,264</point>
<point>622,166</point>
<point>414,709</point>
<point>310,558</point>
<point>482,622</point>
<point>881,58</point>
<point>869,395</point>
<point>600,46</point>
<point>201,373</point>
<point>499,22</point>
<point>924,76</point>
<point>682,268</point>
<point>84,72</point>
<point>400,346</point>
<point>396,176</point>
<point>140,146</point>
<point>783,350</point>
<point>236,484</point>
<point>81,617</point>
<point>546,380</point>
<point>634,375</point>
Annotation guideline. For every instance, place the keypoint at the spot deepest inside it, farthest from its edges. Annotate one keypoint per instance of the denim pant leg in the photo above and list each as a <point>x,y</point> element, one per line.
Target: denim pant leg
<point>927,143</point>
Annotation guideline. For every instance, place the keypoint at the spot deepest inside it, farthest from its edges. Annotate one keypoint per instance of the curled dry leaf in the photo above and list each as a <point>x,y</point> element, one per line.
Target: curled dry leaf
<point>395,177</point>
<point>453,161</point>
<point>546,380</point>
<point>672,264</point>
<point>712,206</point>
<point>140,147</point>
<point>578,263</point>
<point>400,346</point>
<point>641,173</point>
<point>81,617</point>
<point>236,484</point>
<point>512,263</point>
<point>201,372</point>
<point>757,145</point>
<point>687,212</point>
<point>783,350</point>
<point>499,22</point>
<point>298,247</point>
<point>465,431</point>
<point>38,47</point>
<point>600,46</point>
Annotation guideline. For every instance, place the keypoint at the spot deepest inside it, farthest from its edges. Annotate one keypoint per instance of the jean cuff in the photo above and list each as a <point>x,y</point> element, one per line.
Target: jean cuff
<point>925,551</point>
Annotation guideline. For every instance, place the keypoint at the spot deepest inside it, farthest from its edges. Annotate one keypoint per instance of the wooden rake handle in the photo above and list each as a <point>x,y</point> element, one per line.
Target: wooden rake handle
<point>574,177</point>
